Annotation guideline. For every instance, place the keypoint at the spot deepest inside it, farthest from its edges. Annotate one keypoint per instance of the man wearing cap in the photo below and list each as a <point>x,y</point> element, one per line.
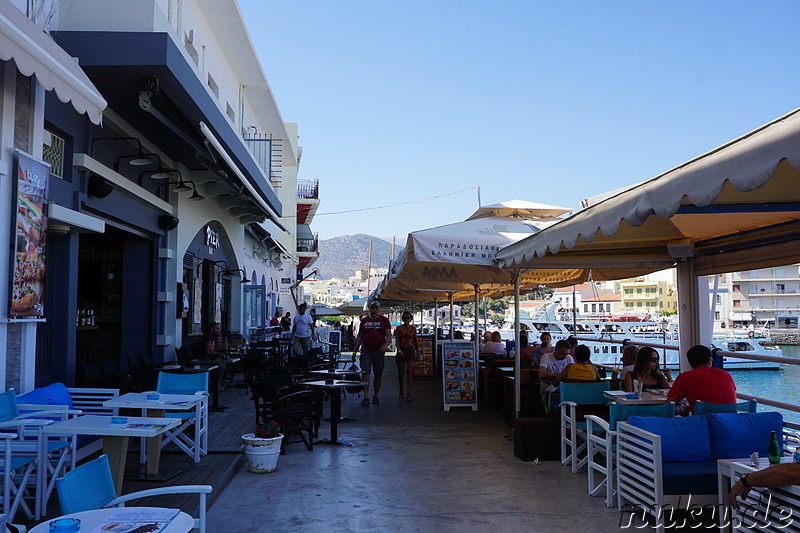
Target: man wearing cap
<point>374,337</point>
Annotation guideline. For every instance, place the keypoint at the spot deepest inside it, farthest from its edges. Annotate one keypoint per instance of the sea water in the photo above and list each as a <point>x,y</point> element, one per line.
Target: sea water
<point>781,385</point>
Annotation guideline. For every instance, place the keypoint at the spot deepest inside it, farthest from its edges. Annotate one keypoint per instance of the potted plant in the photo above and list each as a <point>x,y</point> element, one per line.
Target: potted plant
<point>262,447</point>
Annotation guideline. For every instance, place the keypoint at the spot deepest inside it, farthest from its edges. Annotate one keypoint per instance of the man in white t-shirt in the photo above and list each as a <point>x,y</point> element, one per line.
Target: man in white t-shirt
<point>550,366</point>
<point>553,363</point>
<point>301,331</point>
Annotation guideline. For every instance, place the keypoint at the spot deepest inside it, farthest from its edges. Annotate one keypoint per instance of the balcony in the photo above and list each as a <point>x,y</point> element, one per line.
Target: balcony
<point>308,189</point>
<point>307,200</point>
<point>308,245</point>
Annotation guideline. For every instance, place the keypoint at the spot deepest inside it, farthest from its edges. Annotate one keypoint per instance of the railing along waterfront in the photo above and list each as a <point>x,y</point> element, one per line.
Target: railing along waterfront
<point>716,351</point>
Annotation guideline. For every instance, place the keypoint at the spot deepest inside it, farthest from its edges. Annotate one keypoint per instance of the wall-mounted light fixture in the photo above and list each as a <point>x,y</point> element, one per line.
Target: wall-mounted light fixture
<point>182,186</point>
<point>229,271</point>
<point>138,159</point>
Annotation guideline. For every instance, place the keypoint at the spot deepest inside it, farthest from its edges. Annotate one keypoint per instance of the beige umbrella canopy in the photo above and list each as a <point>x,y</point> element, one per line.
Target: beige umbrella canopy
<point>521,209</point>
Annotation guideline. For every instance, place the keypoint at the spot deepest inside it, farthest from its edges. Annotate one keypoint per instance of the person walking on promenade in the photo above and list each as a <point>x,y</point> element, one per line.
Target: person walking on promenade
<point>374,337</point>
<point>286,322</point>
<point>406,356</point>
<point>301,332</point>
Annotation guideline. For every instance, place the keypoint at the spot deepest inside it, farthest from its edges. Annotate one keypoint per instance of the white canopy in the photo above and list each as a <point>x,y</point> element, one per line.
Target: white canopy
<point>519,208</point>
<point>734,208</point>
<point>36,54</point>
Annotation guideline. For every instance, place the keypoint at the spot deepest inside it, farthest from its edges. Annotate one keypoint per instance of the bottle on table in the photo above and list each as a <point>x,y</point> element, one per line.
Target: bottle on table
<point>774,449</point>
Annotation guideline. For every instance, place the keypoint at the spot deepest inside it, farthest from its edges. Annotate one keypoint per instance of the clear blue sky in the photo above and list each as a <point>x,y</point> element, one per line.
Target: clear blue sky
<point>543,101</point>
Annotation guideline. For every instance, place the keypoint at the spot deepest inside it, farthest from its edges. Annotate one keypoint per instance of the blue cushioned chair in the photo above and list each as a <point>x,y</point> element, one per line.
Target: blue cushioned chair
<point>576,400</point>
<point>90,486</point>
<point>27,470</point>
<point>189,384</point>
<point>600,443</point>
<point>747,406</point>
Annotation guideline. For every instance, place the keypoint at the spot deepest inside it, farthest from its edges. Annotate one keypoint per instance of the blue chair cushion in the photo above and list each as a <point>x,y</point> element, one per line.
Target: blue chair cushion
<point>682,438</point>
<point>53,394</point>
<point>698,477</point>
<point>738,435</point>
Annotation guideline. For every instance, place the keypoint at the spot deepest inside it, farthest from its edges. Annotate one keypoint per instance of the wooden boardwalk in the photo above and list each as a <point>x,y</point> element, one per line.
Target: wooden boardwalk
<point>216,469</point>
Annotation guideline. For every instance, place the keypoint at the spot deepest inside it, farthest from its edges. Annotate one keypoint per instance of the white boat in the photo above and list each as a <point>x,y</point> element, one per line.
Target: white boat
<point>636,328</point>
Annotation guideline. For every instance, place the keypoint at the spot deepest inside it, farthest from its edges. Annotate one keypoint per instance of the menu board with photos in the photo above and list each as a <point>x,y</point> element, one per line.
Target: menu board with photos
<point>424,367</point>
<point>459,380</point>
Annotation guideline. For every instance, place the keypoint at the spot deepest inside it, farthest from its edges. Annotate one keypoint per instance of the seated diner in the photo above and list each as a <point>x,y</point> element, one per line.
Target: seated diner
<point>582,369</point>
<point>495,345</point>
<point>646,370</point>
<point>703,382</point>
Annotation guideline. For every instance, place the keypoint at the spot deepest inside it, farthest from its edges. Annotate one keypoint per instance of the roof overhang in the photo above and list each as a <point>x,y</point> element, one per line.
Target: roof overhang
<point>734,208</point>
<point>36,54</point>
<point>152,86</point>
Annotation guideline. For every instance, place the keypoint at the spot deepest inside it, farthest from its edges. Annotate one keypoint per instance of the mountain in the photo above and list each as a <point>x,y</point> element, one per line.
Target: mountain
<point>342,256</point>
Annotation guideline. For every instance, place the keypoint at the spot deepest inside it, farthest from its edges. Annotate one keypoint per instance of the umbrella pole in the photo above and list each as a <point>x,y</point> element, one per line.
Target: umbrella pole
<point>475,316</point>
<point>450,297</point>
<point>436,319</point>
<point>517,366</point>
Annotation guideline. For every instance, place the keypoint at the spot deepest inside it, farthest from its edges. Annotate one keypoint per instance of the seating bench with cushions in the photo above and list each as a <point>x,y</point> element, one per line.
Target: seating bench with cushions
<point>661,459</point>
<point>87,400</point>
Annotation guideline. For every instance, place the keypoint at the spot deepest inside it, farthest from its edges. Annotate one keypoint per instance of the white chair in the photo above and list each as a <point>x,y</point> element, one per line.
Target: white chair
<point>575,399</point>
<point>601,444</point>
<point>90,486</point>
<point>194,445</point>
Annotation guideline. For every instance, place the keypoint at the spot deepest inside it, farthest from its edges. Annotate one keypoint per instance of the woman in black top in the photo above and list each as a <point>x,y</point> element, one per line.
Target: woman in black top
<point>646,370</point>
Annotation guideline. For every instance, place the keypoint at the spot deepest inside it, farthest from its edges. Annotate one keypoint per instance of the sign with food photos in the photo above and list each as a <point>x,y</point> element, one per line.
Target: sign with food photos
<point>30,231</point>
<point>424,366</point>
<point>459,375</point>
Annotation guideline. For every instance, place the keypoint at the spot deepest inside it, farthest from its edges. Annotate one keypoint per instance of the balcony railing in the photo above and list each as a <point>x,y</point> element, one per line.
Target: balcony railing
<point>308,189</point>
<point>268,153</point>
<point>308,245</point>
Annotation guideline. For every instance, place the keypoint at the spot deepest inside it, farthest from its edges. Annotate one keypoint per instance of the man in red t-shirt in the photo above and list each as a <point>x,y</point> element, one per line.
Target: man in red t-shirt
<point>703,382</point>
<point>374,336</point>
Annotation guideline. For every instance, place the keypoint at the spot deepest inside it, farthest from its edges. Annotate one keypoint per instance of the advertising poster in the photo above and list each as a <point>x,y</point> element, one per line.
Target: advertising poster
<point>459,378</point>
<point>32,178</point>
<point>335,338</point>
<point>424,366</point>
<point>197,312</point>
<point>218,304</point>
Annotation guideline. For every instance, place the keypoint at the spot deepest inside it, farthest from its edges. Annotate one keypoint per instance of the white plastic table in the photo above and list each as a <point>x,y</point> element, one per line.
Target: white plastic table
<point>645,398</point>
<point>158,408</point>
<point>115,438</point>
<point>91,519</point>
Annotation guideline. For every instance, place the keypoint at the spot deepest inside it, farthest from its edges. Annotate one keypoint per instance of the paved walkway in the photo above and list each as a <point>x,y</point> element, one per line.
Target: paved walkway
<point>411,467</point>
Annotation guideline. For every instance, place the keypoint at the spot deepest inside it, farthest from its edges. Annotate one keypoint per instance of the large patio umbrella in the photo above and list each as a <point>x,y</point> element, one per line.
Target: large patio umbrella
<point>519,208</point>
<point>324,310</point>
<point>734,208</point>
<point>460,257</point>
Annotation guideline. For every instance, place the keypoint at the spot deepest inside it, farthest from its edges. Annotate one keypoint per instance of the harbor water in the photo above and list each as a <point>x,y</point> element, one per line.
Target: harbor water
<point>781,385</point>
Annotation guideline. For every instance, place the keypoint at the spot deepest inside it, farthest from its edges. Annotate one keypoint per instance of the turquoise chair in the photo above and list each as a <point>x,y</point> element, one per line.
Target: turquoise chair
<point>194,445</point>
<point>576,400</point>
<point>24,453</point>
<point>703,408</point>
<point>90,486</point>
<point>600,443</point>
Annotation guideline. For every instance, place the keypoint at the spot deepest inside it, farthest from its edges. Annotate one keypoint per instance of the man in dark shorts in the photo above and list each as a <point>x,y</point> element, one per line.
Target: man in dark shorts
<point>374,337</point>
